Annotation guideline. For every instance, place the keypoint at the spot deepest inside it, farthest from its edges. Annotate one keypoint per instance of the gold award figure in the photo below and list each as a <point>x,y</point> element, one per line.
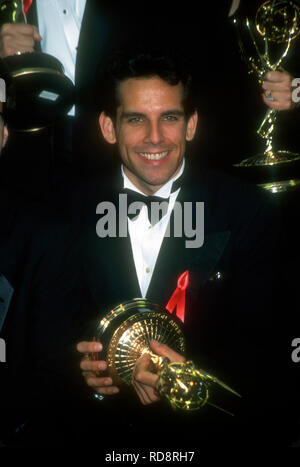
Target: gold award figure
<point>265,43</point>
<point>42,91</point>
<point>126,332</point>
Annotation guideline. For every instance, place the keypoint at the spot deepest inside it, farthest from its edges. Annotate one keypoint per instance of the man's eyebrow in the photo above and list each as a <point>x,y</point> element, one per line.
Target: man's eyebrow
<point>175,112</point>
<point>131,114</point>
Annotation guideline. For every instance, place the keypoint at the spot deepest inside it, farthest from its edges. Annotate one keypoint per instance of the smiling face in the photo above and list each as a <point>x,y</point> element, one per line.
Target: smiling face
<point>151,131</point>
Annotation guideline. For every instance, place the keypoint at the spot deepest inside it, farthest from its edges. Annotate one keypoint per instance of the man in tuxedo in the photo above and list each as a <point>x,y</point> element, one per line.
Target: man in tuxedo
<point>150,115</point>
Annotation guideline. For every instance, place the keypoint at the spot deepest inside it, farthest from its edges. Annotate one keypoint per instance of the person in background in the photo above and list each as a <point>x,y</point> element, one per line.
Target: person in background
<point>34,305</point>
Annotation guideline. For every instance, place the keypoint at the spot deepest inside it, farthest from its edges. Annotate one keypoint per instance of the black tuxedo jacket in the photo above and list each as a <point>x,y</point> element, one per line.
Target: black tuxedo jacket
<point>34,323</point>
<point>231,300</point>
<point>231,314</point>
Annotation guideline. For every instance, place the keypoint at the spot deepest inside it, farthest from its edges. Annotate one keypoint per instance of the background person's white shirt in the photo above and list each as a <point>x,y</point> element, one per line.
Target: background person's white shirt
<point>146,239</point>
<point>59,25</point>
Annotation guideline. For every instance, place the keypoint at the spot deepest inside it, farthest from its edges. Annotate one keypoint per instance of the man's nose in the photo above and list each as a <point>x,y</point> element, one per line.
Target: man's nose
<point>154,133</point>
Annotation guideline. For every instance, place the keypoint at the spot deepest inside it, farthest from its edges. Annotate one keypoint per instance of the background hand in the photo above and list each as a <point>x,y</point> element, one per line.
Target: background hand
<point>17,38</point>
<point>278,84</point>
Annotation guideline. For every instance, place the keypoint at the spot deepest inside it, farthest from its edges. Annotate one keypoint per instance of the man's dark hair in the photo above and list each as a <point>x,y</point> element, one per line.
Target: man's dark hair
<point>170,66</point>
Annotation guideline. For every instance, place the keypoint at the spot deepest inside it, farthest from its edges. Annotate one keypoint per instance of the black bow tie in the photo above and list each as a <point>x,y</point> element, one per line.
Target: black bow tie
<point>157,210</point>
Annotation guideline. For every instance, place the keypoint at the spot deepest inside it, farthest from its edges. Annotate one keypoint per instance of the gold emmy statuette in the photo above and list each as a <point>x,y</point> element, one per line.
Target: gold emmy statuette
<point>265,43</point>
<point>126,332</point>
<point>42,91</point>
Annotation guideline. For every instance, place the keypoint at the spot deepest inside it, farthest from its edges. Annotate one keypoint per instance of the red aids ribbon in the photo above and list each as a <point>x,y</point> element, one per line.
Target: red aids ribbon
<point>178,296</point>
<point>26,5</point>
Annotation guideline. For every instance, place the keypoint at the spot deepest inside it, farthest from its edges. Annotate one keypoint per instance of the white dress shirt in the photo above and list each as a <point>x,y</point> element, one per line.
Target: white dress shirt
<point>146,239</point>
<point>59,25</point>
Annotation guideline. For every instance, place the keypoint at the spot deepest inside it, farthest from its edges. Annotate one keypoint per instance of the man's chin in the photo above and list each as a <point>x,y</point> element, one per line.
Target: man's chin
<point>150,181</point>
<point>153,185</point>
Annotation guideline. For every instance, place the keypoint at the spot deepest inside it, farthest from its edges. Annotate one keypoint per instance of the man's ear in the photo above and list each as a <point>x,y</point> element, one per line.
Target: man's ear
<point>107,128</point>
<point>5,136</point>
<point>191,126</point>
<point>234,6</point>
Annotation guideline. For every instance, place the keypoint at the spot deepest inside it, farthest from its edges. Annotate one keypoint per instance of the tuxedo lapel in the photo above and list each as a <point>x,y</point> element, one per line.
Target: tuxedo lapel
<point>175,257</point>
<point>32,18</point>
<point>96,38</point>
<point>111,271</point>
<point>205,259</point>
<point>8,208</point>
<point>6,293</point>
<point>8,213</point>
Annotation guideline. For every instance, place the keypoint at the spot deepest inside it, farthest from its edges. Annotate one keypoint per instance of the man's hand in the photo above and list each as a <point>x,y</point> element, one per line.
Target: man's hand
<point>143,380</point>
<point>16,38</point>
<point>91,369</point>
<point>277,87</point>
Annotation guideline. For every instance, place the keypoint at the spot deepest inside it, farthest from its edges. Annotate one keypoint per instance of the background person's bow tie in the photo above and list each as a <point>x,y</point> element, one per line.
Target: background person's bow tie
<point>154,214</point>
